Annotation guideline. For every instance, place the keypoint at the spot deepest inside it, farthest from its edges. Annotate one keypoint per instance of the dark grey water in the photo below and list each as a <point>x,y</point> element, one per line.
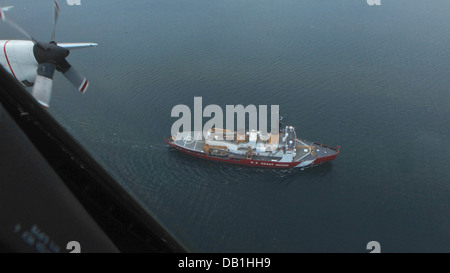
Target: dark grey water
<point>374,80</point>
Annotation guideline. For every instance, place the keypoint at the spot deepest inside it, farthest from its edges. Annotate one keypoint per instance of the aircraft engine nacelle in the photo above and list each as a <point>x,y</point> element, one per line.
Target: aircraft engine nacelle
<point>17,58</point>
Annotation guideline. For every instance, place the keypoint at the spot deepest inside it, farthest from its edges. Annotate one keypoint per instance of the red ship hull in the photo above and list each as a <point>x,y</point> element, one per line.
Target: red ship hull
<point>250,162</point>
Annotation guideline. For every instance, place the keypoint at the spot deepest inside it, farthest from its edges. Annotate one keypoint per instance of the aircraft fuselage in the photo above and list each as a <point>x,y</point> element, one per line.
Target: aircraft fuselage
<point>17,57</point>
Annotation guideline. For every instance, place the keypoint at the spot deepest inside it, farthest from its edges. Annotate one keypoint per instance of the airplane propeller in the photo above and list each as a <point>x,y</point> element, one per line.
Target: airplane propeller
<point>50,57</point>
<point>13,24</point>
<point>55,20</point>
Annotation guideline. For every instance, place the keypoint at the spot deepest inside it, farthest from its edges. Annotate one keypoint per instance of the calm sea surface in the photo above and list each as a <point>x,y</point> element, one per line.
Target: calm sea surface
<point>374,80</point>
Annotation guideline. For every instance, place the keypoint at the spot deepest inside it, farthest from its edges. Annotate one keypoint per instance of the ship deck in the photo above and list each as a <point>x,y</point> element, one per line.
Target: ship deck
<point>318,150</point>
<point>188,141</point>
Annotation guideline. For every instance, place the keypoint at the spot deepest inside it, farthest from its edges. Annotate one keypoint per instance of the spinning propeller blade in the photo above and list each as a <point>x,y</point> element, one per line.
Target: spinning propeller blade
<point>13,24</point>
<point>55,20</point>
<point>42,89</point>
<point>74,76</point>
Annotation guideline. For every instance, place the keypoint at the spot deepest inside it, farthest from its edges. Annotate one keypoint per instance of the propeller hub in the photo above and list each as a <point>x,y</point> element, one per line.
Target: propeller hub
<point>49,53</point>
